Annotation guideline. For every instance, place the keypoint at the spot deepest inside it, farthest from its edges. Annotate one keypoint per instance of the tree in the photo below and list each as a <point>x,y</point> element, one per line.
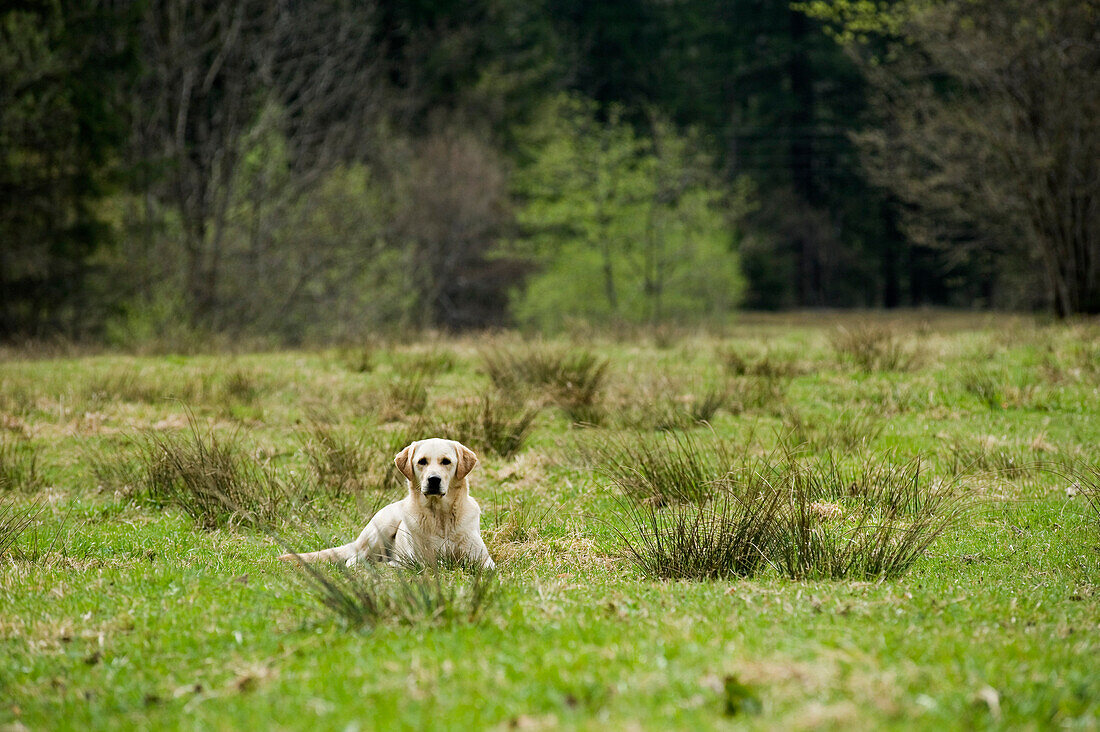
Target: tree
<point>991,130</point>
<point>622,227</point>
<point>60,125</point>
<point>217,78</point>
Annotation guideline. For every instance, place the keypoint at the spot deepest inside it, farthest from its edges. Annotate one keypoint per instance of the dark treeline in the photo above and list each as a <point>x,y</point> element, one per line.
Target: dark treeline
<point>317,170</point>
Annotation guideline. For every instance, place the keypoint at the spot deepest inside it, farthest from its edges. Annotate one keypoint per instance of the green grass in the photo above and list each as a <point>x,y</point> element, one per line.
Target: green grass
<point>138,613</point>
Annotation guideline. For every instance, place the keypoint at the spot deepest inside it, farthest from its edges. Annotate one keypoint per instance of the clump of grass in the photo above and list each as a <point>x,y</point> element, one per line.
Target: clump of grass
<point>211,478</point>
<point>370,595</point>
<point>755,392</point>
<point>347,464</point>
<point>847,431</point>
<point>516,521</point>
<point>241,386</point>
<point>769,364</point>
<point>358,359</point>
<point>340,462</point>
<point>1088,482</point>
<point>406,394</point>
<point>672,467</point>
<point>125,385</point>
<point>15,519</point>
<point>19,468</point>
<point>878,519</point>
<point>874,348</point>
<point>429,362</point>
<point>804,518</point>
<point>987,386</point>
<point>982,456</point>
<point>495,422</point>
<point>728,536</point>
<point>113,468</point>
<point>666,406</point>
<point>573,379</point>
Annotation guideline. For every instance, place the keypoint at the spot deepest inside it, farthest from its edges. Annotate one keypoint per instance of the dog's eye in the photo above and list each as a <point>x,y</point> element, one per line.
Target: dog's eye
<point>422,461</point>
<point>445,461</point>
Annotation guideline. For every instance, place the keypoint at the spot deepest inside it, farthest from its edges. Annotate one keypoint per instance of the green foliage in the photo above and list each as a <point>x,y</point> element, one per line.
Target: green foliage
<point>622,226</point>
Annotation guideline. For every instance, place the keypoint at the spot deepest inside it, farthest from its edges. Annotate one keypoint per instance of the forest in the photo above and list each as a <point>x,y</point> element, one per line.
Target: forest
<point>317,171</point>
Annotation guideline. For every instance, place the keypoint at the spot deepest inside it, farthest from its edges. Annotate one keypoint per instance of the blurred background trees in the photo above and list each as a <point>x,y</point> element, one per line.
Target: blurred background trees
<point>320,170</point>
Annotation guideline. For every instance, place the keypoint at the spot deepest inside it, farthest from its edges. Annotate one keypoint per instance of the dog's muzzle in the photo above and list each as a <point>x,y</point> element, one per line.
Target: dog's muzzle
<point>433,486</point>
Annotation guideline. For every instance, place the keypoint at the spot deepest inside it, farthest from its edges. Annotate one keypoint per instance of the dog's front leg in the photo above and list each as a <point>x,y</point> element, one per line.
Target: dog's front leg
<point>375,543</point>
<point>478,554</point>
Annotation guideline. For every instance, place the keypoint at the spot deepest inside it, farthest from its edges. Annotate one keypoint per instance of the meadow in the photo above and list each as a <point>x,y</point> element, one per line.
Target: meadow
<point>801,521</point>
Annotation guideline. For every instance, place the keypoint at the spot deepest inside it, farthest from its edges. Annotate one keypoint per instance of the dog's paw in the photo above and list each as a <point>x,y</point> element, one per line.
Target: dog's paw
<point>286,557</point>
<point>352,560</point>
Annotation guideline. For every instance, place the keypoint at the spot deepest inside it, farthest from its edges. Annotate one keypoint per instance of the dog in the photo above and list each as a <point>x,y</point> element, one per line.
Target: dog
<point>437,518</point>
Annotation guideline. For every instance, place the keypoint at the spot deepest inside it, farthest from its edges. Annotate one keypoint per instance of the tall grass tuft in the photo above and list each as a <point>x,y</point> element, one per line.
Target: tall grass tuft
<point>19,469</point>
<point>113,467</point>
<point>369,595</point>
<point>342,463</point>
<point>572,378</point>
<point>961,457</point>
<point>874,348</point>
<point>211,478</point>
<point>357,359</point>
<point>430,362</point>
<point>769,364</point>
<point>667,405</point>
<point>728,536</point>
<point>15,519</point>
<point>496,422</point>
<point>847,431</point>
<point>667,468</point>
<point>868,522</point>
<point>806,518</point>
<point>988,387</point>
<point>1088,482</point>
<point>406,394</point>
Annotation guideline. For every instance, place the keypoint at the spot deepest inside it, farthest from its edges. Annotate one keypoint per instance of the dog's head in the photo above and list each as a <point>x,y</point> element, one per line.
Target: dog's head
<point>434,465</point>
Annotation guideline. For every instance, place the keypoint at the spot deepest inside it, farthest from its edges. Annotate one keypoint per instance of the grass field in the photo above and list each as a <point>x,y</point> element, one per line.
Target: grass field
<point>796,522</point>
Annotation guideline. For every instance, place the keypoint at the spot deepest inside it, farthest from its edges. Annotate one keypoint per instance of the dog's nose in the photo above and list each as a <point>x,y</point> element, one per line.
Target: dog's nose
<point>435,485</point>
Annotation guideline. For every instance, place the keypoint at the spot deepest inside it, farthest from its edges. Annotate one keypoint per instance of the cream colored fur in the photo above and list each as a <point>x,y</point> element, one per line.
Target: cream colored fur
<point>437,517</point>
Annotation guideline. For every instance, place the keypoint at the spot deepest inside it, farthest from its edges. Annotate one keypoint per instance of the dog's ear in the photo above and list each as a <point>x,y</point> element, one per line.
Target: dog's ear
<point>467,459</point>
<point>404,461</point>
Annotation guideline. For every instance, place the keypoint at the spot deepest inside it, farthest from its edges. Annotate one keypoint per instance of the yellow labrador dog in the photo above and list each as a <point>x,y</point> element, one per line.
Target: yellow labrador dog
<point>437,517</point>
